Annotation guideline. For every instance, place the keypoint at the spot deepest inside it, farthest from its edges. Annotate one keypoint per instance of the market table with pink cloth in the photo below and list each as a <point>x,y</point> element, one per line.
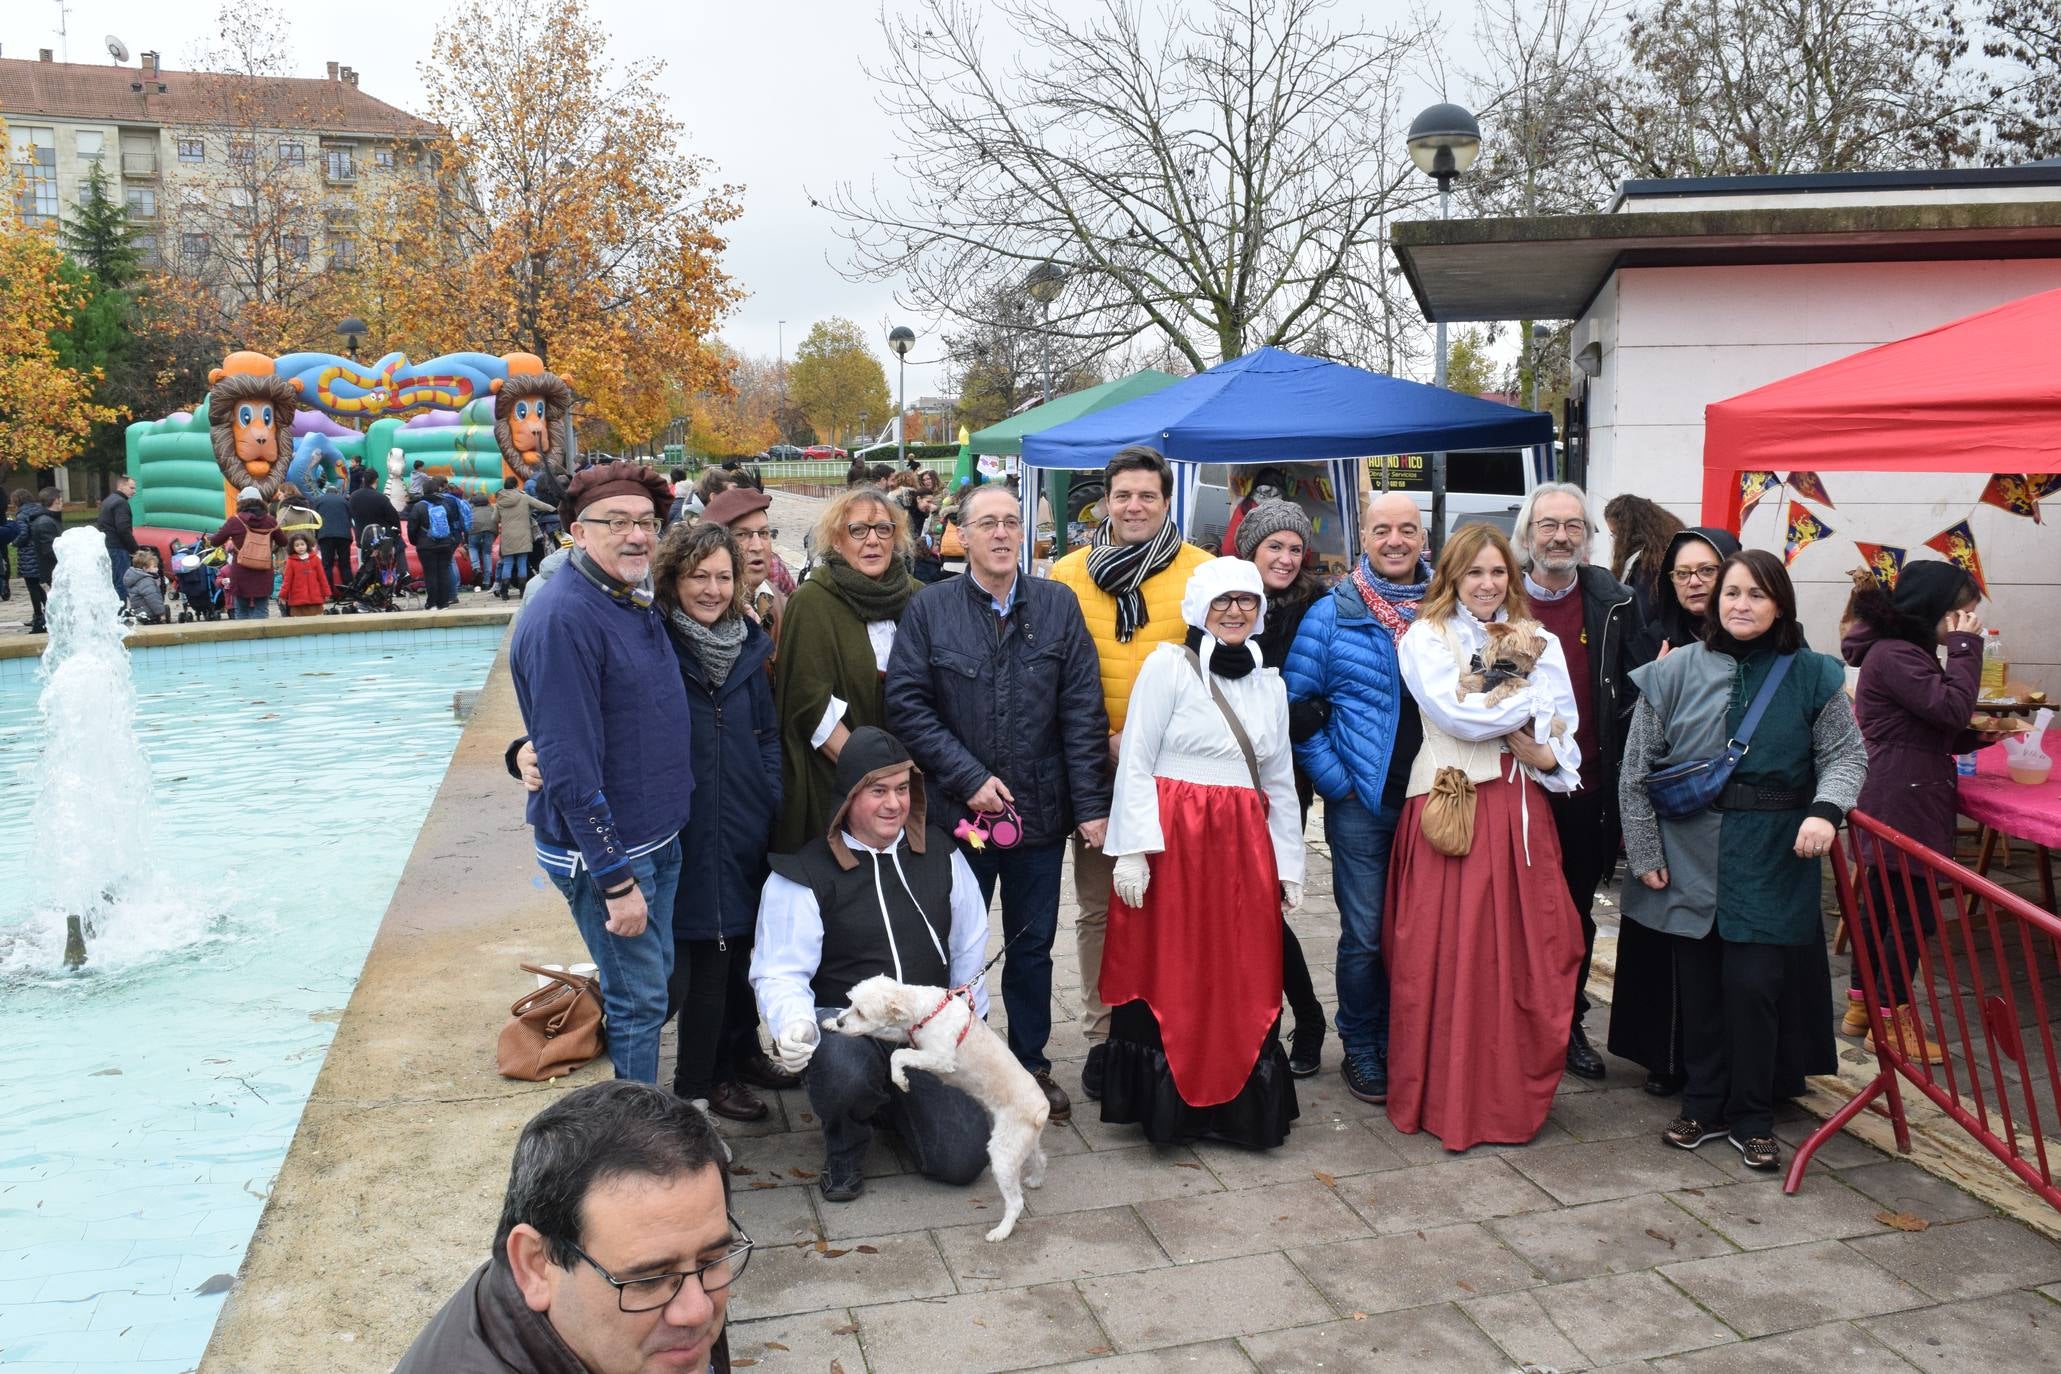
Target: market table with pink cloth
<point>2024,812</point>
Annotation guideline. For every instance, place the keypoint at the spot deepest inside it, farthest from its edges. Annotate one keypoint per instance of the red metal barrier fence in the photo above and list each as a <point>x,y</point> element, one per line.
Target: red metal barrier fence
<point>1979,964</point>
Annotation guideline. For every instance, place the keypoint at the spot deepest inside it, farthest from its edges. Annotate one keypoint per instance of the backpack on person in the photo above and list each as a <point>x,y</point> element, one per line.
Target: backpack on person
<point>464,510</point>
<point>437,520</point>
<point>254,550</point>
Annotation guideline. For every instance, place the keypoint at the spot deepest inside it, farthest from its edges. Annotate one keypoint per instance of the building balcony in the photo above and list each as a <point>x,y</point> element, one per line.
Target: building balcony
<point>139,166</point>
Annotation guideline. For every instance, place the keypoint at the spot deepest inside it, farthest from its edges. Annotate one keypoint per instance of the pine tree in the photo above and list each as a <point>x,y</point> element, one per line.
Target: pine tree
<point>99,237</point>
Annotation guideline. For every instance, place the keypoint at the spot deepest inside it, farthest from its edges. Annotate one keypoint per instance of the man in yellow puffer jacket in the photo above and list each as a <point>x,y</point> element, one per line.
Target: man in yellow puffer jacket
<point>1130,584</point>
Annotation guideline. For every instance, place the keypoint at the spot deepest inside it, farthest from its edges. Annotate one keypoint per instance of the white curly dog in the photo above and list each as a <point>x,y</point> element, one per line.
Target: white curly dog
<point>944,1037</point>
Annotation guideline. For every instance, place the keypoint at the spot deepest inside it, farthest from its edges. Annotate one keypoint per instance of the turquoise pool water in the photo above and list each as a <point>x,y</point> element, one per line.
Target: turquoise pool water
<point>150,1097</point>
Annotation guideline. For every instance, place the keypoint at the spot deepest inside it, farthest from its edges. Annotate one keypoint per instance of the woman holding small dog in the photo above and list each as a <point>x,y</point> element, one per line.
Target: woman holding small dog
<point>1207,839</point>
<point>1481,955</point>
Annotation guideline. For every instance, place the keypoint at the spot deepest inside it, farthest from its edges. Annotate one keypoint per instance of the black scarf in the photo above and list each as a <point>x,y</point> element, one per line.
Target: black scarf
<point>871,598</point>
<point>1235,662</point>
<point>1122,569</point>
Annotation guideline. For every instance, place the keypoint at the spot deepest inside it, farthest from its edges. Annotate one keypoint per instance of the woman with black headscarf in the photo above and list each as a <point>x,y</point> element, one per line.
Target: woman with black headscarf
<point>1914,714</point>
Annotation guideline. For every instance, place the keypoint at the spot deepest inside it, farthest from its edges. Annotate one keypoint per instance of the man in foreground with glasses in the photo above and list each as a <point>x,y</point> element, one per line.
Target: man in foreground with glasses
<point>1594,617</point>
<point>616,1253</point>
<point>598,683</point>
<point>995,688</point>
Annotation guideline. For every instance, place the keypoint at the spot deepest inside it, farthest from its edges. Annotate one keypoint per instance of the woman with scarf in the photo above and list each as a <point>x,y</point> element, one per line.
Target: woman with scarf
<point>1738,886</point>
<point>1207,841</point>
<point>835,638</point>
<point>1914,716</point>
<point>1481,956</point>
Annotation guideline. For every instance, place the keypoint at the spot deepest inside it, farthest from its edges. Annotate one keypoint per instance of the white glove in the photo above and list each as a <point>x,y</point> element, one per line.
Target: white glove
<point>796,1046</point>
<point>1291,896</point>
<point>1130,879</point>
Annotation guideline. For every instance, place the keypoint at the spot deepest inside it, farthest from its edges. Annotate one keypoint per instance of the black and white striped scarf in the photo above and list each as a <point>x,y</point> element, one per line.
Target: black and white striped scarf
<point>1122,570</point>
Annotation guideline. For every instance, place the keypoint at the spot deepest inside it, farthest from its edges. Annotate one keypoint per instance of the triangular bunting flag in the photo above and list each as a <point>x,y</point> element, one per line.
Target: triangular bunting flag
<point>1807,485</point>
<point>2014,492</point>
<point>1957,544</point>
<point>1805,530</point>
<point>1885,561</point>
<point>1753,486</point>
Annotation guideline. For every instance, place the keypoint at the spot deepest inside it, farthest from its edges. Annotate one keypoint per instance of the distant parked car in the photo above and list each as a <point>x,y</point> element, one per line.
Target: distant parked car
<point>785,453</point>
<point>825,451</point>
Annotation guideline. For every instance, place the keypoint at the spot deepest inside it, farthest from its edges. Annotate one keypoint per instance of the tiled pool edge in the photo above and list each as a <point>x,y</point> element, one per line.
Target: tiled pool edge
<point>394,1178</point>
<point>279,627</point>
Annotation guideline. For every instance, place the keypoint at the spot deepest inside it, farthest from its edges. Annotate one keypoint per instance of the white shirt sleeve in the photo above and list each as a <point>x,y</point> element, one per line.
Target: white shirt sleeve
<point>786,953</point>
<point>1433,677</point>
<point>1134,802</point>
<point>1277,775</point>
<point>969,932</point>
<point>1555,691</point>
<point>881,634</point>
<point>832,714</point>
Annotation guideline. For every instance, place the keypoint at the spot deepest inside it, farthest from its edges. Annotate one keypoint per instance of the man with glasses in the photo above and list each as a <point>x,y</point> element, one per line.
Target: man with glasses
<point>1594,617</point>
<point>598,683</point>
<point>616,1253</point>
<point>744,512</point>
<point>995,688</point>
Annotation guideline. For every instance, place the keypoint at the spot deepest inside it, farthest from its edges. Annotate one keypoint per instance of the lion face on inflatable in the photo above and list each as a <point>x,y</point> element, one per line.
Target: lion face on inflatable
<point>250,411</point>
<point>532,416</point>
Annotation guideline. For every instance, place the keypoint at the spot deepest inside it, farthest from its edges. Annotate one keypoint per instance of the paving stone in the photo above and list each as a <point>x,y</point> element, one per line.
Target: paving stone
<point>2011,1333</point>
<point>1077,1245</point>
<point>1592,1171</point>
<point>1762,1291</point>
<point>1836,1348</point>
<point>1340,1148</point>
<point>1107,1178</point>
<point>1423,1341</point>
<point>797,1278</point>
<point>1903,1187</point>
<point>812,1341</point>
<point>1842,1151</point>
<point>1608,1237</point>
<point>776,1216</point>
<point>980,1333</point>
<point>1967,1259</point>
<point>1613,1113</point>
<point>910,1202</point>
<point>1219,1225</point>
<point>1758,1215</point>
<point>1430,1195</point>
<point>1629,1317</point>
<point>1410,1270</point>
<point>1425,1148</point>
<point>776,1158</point>
<point>1211,1357</point>
<point>1202,1302</point>
<point>1517,1323</point>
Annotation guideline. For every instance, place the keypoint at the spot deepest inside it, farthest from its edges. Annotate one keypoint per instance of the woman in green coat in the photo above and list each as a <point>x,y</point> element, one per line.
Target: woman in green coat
<point>1738,887</point>
<point>835,637</point>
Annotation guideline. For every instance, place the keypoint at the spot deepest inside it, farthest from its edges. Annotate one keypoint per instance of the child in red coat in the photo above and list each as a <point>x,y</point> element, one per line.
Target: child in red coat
<point>303,586</point>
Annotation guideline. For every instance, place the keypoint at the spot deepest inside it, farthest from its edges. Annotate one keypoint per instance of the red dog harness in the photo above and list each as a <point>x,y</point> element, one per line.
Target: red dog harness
<point>963,990</point>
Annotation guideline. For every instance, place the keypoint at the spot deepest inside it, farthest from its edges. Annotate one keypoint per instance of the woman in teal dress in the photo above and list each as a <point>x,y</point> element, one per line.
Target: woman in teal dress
<point>1738,887</point>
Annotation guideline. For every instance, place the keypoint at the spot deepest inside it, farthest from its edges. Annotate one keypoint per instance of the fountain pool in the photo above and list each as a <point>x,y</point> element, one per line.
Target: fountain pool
<point>151,1095</point>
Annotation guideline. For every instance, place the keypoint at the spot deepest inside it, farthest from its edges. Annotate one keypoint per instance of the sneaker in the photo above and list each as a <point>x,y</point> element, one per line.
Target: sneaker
<point>1365,1078</point>
<point>1091,1071</point>
<point>1686,1133</point>
<point>1760,1152</point>
<point>1306,1050</point>
<point>1055,1097</point>
<point>841,1185</point>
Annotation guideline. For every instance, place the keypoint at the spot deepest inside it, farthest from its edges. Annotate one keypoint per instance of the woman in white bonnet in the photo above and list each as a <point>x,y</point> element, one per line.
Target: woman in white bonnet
<point>1207,839</point>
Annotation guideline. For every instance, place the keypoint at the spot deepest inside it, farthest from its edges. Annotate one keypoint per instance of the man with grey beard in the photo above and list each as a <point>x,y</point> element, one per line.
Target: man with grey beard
<point>1593,616</point>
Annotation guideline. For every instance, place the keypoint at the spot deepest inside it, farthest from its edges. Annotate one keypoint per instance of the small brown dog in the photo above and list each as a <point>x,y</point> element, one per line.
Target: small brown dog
<point>1503,667</point>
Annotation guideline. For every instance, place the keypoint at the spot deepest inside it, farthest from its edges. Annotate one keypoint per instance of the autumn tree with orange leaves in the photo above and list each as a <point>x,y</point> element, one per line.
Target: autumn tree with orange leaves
<point>739,419</point>
<point>564,218</point>
<point>46,408</point>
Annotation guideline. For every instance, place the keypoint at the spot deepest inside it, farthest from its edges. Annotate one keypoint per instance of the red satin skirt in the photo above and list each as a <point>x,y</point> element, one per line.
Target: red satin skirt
<point>1482,955</point>
<point>1204,951</point>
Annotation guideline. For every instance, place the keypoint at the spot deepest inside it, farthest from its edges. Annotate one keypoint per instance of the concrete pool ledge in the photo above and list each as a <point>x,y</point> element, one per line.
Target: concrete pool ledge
<point>393,1182</point>
<point>281,627</point>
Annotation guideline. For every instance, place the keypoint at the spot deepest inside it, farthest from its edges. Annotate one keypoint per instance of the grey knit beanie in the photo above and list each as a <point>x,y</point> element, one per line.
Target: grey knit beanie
<point>1271,517</point>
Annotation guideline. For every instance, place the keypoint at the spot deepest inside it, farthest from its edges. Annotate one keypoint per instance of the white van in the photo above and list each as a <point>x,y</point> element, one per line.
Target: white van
<point>1485,485</point>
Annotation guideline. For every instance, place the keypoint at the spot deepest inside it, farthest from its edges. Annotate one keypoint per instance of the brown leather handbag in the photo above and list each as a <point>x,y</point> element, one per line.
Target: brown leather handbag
<point>553,1030</point>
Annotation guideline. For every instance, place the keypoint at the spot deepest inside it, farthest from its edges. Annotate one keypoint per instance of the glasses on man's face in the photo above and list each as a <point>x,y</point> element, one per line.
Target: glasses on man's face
<point>1574,529</point>
<point>884,531</point>
<point>1684,576</point>
<point>620,525</point>
<point>1243,601</point>
<point>753,536</point>
<point>654,1291</point>
<point>1008,524</point>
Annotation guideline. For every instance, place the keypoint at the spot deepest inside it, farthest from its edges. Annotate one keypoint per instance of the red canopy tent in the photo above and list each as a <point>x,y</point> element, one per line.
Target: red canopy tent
<point>1982,394</point>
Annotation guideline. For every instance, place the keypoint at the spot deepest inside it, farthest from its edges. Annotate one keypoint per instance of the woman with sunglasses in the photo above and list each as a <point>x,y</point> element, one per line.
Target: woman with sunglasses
<point>1207,840</point>
<point>835,638</point>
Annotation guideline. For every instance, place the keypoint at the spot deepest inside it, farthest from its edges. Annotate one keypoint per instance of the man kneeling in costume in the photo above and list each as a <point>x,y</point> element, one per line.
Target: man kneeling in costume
<point>879,893</point>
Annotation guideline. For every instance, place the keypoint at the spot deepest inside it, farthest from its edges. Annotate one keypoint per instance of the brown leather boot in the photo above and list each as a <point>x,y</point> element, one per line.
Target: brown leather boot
<point>1910,1037</point>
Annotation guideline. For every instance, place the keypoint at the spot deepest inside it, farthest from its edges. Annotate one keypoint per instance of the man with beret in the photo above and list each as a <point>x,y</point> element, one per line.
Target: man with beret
<point>743,511</point>
<point>600,688</point>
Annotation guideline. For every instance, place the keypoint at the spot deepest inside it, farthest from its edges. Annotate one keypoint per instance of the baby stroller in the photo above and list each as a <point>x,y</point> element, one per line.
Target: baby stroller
<point>377,588</point>
<point>195,574</point>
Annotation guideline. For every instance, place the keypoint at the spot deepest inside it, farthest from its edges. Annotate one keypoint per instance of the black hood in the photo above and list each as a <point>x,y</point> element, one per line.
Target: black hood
<point>868,753</point>
<point>1677,626</point>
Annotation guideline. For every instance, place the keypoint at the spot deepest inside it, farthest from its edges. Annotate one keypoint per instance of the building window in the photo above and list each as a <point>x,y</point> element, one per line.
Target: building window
<point>241,152</point>
<point>193,248</point>
<point>193,150</point>
<point>146,248</point>
<point>343,252</point>
<point>294,247</point>
<point>91,143</point>
<point>35,162</point>
<point>383,159</point>
<point>293,152</point>
<point>141,202</point>
<point>340,164</point>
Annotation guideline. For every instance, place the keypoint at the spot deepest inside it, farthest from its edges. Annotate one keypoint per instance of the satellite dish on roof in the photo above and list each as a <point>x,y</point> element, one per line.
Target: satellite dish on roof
<point>117,49</point>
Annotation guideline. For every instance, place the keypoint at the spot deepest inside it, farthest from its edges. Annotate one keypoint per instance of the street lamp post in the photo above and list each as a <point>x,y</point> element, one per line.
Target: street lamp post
<point>901,339</point>
<point>1444,141</point>
<point>1043,286</point>
<point>1539,334</point>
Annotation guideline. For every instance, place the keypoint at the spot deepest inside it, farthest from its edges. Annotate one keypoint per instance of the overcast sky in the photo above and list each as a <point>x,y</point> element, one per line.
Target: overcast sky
<point>770,90</point>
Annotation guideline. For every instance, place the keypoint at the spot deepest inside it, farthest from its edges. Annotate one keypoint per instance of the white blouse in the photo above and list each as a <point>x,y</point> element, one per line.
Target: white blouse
<point>1174,730</point>
<point>1432,674</point>
<point>881,635</point>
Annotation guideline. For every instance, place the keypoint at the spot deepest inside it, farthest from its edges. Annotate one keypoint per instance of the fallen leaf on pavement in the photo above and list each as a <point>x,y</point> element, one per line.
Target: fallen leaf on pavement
<point>1328,1180</point>
<point>869,1249</point>
<point>1902,1221</point>
<point>775,1345</point>
<point>1663,1237</point>
<point>849,1328</point>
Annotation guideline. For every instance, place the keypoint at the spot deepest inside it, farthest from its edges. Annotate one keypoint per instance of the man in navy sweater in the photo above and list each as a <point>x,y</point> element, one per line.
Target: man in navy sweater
<point>601,694</point>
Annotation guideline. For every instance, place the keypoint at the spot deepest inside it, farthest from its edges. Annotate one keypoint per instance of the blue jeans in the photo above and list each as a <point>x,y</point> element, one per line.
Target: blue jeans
<point>634,972</point>
<point>1361,841</point>
<point>1030,918</point>
<point>945,1130</point>
<point>120,559</point>
<point>481,548</point>
<point>251,609</point>
<point>514,567</point>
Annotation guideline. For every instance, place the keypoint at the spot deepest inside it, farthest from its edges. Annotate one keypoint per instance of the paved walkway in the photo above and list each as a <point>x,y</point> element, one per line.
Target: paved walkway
<point>1356,1248</point>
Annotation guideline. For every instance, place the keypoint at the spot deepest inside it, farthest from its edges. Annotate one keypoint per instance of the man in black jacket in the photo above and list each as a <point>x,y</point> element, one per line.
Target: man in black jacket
<point>615,1254</point>
<point>1593,616</point>
<point>118,524</point>
<point>995,686</point>
<point>41,521</point>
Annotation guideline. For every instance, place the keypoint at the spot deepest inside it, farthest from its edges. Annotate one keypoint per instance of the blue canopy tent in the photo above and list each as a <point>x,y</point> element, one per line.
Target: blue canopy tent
<point>1273,406</point>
